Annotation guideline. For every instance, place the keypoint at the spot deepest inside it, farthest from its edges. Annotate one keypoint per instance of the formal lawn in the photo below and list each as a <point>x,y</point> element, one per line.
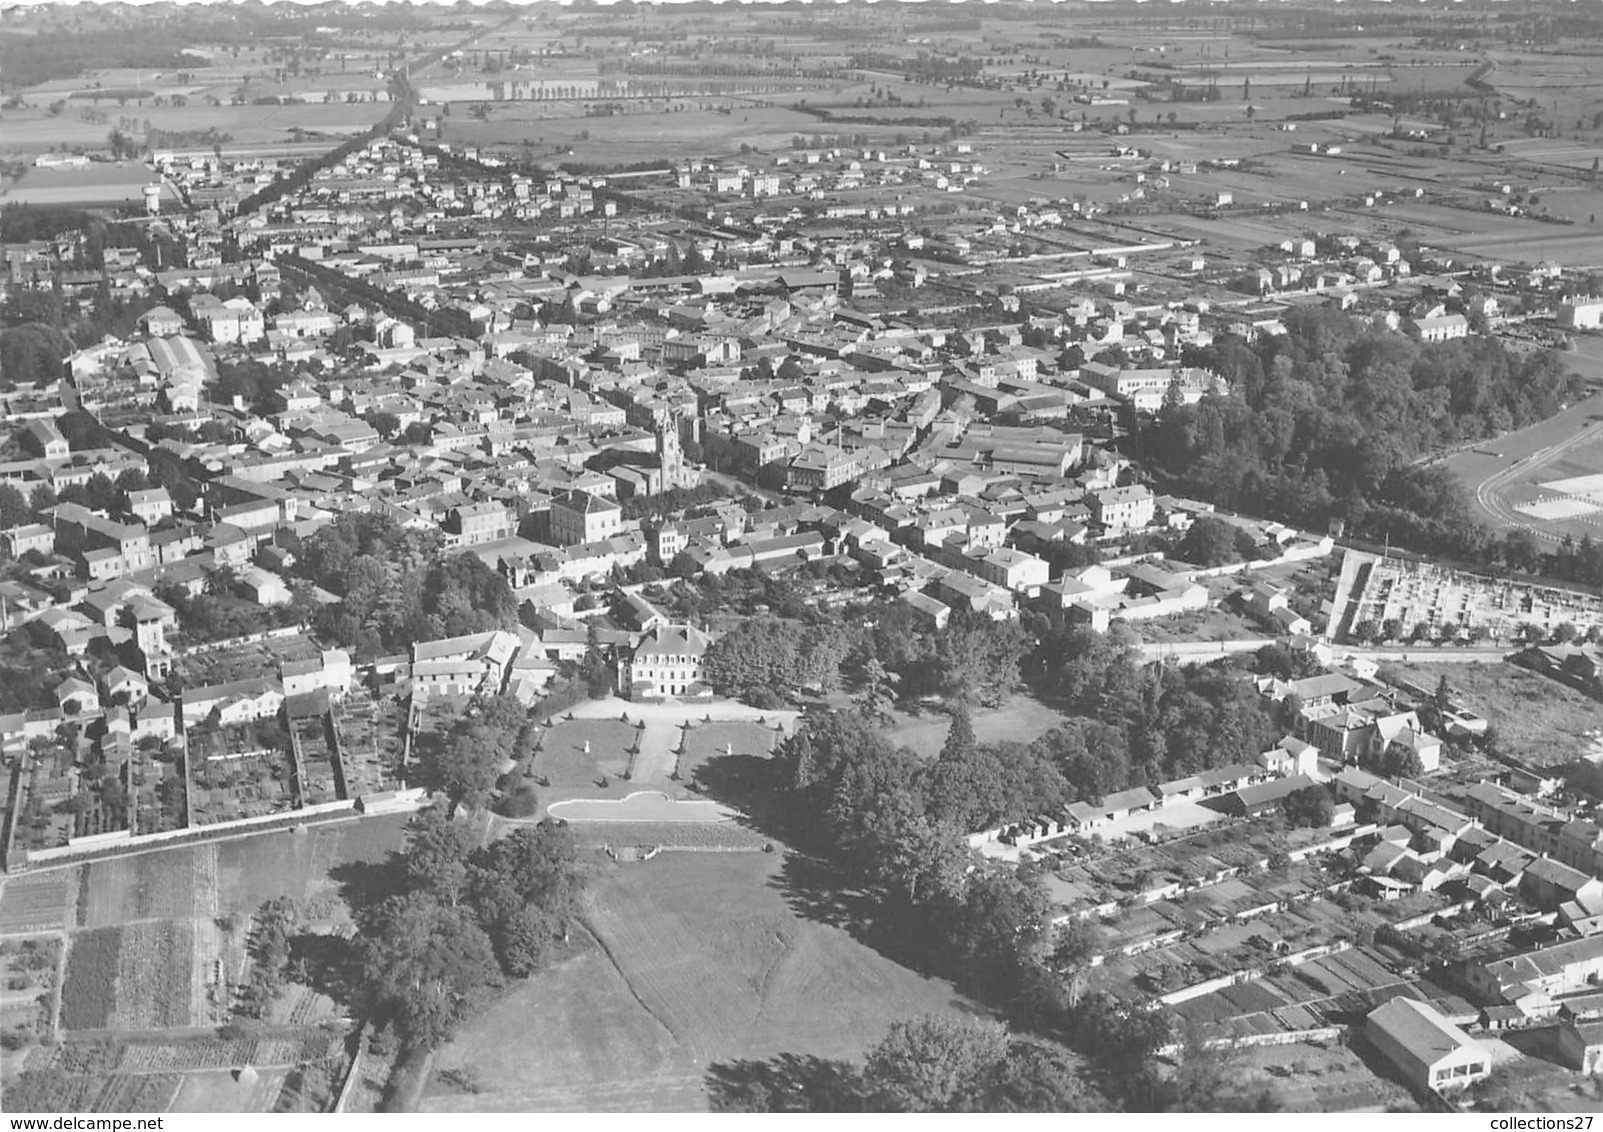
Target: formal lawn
<point>703,741</point>
<point>1021,719</point>
<point>581,752</point>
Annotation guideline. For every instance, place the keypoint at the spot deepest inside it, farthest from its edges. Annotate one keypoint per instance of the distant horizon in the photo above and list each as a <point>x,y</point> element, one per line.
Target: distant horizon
<point>6,5</point>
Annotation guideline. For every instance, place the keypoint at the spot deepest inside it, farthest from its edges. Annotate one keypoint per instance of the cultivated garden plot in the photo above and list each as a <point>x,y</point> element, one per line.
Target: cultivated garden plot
<point>370,735</point>
<point>248,784</point>
<point>38,902</point>
<point>53,1091</point>
<point>243,662</point>
<point>89,994</point>
<point>160,788</point>
<point>313,738</point>
<point>192,1074</point>
<point>229,1091</point>
<point>29,970</point>
<point>170,884</point>
<point>153,976</point>
<point>135,977</point>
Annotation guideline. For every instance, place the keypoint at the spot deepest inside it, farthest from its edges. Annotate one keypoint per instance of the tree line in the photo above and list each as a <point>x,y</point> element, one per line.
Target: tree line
<point>462,920</point>
<point>889,650</point>
<point>893,826</point>
<point>1335,420</point>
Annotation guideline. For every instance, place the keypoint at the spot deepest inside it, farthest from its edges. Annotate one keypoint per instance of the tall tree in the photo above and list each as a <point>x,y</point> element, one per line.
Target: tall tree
<point>426,965</point>
<point>935,1064</point>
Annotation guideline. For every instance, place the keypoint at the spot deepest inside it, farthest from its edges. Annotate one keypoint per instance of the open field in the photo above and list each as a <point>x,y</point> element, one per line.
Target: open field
<point>698,959</point>
<point>626,138</point>
<point>1021,719</point>
<point>1537,719</point>
<point>223,1091</point>
<point>298,864</point>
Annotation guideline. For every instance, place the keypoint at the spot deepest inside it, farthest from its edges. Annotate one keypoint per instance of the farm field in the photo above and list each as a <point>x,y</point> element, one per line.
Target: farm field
<point>134,977</point>
<point>626,138</point>
<point>1537,719</point>
<point>166,884</point>
<point>698,959</point>
<point>40,902</point>
<point>161,939</point>
<point>298,864</point>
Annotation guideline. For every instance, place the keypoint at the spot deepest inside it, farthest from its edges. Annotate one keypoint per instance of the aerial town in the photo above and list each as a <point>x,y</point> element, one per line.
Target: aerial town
<point>754,559</point>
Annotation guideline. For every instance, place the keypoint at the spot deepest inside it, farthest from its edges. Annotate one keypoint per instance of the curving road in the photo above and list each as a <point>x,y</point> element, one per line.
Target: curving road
<point>1489,492</point>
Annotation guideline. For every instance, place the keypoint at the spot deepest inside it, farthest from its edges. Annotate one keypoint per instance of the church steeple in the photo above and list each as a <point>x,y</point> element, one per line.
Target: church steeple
<point>670,456</point>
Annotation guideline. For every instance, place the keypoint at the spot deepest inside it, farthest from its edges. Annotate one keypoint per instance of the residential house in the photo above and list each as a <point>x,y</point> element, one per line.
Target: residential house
<point>667,661</point>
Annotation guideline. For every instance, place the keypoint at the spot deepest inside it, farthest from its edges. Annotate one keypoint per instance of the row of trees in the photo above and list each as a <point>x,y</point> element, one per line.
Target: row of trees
<point>886,648</point>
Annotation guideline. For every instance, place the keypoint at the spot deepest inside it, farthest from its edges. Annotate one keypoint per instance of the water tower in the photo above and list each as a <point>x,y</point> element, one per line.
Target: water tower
<point>153,199</point>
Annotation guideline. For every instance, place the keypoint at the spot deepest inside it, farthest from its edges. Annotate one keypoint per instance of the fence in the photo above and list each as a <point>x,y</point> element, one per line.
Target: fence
<point>352,1076</point>
<point>124,840</point>
<point>1297,552</point>
<point>1247,1041</point>
<point>236,642</point>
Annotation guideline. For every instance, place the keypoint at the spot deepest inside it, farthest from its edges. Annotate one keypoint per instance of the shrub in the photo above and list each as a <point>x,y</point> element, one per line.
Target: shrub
<point>519,803</point>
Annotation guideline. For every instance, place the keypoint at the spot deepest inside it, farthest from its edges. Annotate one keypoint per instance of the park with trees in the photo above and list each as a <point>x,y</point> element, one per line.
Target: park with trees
<point>1331,420</point>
